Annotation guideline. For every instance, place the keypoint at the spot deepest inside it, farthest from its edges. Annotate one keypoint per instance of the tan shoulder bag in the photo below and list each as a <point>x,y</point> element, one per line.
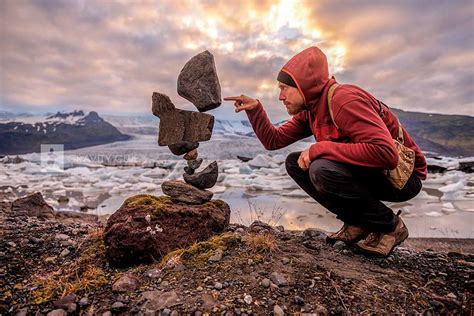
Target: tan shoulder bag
<point>406,162</point>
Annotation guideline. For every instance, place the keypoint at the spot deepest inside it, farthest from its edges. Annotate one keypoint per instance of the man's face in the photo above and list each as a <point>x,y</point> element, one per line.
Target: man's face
<point>291,98</point>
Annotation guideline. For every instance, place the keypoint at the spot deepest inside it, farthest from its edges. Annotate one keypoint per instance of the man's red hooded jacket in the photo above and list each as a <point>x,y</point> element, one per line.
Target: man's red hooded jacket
<point>364,138</point>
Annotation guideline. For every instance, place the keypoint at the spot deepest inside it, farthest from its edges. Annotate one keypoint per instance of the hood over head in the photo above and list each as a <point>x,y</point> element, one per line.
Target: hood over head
<point>309,70</point>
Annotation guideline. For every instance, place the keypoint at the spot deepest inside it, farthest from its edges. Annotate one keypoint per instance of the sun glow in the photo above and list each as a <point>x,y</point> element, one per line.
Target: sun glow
<point>280,30</point>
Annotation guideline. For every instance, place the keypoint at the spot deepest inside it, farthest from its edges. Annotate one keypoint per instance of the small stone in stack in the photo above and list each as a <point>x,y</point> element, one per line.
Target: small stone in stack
<point>193,165</point>
<point>205,179</point>
<point>183,148</point>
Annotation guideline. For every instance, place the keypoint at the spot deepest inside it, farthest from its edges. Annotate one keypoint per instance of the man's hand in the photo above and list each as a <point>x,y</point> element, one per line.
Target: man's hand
<point>243,102</point>
<point>303,160</point>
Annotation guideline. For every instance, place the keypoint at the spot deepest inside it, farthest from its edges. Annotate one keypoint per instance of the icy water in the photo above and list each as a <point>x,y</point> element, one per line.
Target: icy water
<point>98,179</point>
<point>297,213</point>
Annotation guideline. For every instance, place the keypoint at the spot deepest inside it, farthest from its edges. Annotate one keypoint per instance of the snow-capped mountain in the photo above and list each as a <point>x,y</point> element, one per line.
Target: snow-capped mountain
<point>25,133</point>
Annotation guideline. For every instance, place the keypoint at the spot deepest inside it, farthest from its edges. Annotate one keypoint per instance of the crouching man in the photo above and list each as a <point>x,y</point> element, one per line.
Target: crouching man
<point>344,169</point>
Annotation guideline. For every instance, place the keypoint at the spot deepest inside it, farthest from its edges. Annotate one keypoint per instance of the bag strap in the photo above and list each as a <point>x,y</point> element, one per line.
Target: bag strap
<point>400,132</point>
<point>381,111</point>
<point>330,95</point>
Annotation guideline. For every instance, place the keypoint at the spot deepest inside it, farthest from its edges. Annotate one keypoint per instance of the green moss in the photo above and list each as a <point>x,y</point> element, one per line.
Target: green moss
<point>215,203</point>
<point>198,254</point>
<point>157,202</point>
<point>158,211</point>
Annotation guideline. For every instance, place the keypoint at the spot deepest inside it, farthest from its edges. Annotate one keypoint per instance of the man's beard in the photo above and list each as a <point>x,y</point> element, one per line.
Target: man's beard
<point>294,110</point>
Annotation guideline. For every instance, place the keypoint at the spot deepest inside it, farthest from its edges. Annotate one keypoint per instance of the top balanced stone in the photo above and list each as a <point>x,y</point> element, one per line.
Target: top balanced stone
<point>199,84</point>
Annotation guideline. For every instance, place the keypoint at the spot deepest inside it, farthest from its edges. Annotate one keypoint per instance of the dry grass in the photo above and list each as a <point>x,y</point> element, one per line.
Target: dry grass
<point>84,274</point>
<point>261,243</point>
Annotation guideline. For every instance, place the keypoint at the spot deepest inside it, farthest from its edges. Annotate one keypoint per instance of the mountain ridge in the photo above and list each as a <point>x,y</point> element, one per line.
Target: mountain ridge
<point>72,129</point>
<point>443,134</point>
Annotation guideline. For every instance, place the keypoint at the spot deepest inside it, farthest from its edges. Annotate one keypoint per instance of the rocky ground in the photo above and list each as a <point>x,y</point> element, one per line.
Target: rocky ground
<point>57,266</point>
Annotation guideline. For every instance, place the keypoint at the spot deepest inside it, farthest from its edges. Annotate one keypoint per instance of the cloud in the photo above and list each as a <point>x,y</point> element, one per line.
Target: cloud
<point>110,56</point>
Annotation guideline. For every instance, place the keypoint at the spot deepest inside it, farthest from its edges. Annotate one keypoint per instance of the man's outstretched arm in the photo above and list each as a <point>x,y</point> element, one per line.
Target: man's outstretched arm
<point>272,138</point>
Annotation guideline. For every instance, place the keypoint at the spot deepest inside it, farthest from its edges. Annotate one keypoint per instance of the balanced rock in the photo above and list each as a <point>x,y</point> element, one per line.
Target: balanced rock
<point>193,165</point>
<point>161,104</point>
<point>205,179</point>
<point>198,82</point>
<point>191,155</point>
<point>32,205</point>
<point>146,227</point>
<point>183,147</point>
<point>186,193</point>
<point>177,126</point>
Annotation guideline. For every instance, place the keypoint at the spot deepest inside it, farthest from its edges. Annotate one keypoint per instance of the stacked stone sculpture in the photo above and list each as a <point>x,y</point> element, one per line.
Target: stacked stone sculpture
<point>182,130</point>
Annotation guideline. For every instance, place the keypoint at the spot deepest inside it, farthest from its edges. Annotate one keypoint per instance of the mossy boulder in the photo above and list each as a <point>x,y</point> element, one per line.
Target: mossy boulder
<point>147,227</point>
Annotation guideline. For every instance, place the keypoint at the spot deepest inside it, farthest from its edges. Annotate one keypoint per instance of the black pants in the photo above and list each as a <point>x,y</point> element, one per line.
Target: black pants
<point>351,192</point>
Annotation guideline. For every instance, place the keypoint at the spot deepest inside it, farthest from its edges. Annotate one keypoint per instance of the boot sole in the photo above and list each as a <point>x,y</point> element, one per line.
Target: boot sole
<point>332,241</point>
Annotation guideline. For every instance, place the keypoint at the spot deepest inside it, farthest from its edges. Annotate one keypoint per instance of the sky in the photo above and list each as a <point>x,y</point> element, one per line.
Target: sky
<point>110,55</point>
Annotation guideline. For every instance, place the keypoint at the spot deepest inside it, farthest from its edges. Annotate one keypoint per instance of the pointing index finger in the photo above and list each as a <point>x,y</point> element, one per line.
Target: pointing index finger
<point>232,98</point>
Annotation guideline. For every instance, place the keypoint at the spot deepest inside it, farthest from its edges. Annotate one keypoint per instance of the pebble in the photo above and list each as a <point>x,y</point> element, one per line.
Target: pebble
<point>61,237</point>
<point>320,310</point>
<point>285,260</point>
<point>57,312</point>
<point>165,312</point>
<point>218,286</point>
<point>50,259</point>
<point>265,283</point>
<point>174,313</point>
<point>153,273</point>
<point>117,306</point>
<point>11,244</point>
<point>248,299</point>
<point>452,296</point>
<point>239,230</point>
<point>250,262</point>
<point>217,256</point>
<point>278,311</point>
<point>299,300</point>
<point>125,283</point>
<point>339,245</point>
<point>83,302</point>
<point>64,253</point>
<point>278,279</point>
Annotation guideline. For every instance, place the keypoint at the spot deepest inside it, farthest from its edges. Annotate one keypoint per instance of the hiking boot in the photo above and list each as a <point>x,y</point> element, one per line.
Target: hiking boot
<point>382,244</point>
<point>348,234</point>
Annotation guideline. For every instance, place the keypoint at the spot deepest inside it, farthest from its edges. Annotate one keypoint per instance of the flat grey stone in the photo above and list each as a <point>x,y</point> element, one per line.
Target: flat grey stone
<point>153,301</point>
<point>186,193</point>
<point>278,279</point>
<point>205,179</point>
<point>126,283</point>
<point>199,84</point>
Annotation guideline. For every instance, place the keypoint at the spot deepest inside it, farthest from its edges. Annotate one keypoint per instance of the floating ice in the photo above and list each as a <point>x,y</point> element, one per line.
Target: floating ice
<point>433,214</point>
<point>261,161</point>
